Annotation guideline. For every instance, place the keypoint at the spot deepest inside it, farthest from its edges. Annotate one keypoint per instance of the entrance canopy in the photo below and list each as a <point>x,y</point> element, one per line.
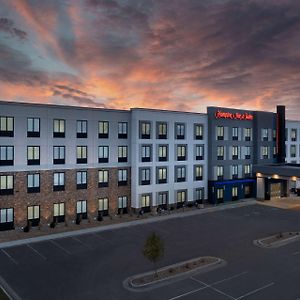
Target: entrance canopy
<point>291,171</point>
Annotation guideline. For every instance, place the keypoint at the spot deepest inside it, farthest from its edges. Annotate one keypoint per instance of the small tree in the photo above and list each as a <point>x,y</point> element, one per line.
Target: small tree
<point>153,249</point>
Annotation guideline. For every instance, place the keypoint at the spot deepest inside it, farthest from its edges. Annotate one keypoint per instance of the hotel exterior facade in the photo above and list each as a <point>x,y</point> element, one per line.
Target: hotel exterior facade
<point>67,164</point>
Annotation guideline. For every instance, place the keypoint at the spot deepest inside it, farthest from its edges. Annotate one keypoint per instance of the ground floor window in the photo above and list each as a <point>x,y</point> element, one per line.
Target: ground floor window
<point>146,202</point>
<point>199,195</point>
<point>33,215</point>
<point>247,191</point>
<point>59,212</point>
<point>181,198</point>
<point>162,200</point>
<point>122,204</point>
<point>220,194</point>
<point>103,206</point>
<point>6,218</point>
<point>81,210</point>
<point>234,193</point>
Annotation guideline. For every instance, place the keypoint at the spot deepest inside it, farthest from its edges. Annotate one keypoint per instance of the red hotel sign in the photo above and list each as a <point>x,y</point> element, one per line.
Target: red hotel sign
<point>233,116</point>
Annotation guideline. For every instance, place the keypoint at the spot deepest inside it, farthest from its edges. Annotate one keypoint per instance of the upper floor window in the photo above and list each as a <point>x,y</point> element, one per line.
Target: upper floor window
<point>103,177</point>
<point>6,126</point>
<point>146,153</point>
<point>264,152</point>
<point>162,130</point>
<point>162,152</point>
<point>235,133</point>
<point>220,133</point>
<point>293,150</point>
<point>181,152</point>
<point>103,154</point>
<point>122,177</point>
<point>234,171</point>
<point>59,128</point>
<point>145,176</point>
<point>247,152</point>
<point>33,127</point>
<point>6,155</point>
<point>33,183</point>
<point>247,134</point>
<point>198,173</point>
<point>103,129</point>
<point>6,184</point>
<point>247,170</point>
<point>274,134</point>
<point>162,175</point>
<point>81,180</point>
<point>33,155</point>
<point>122,153</point>
<point>293,135</point>
<point>199,155</point>
<point>220,172</point>
<point>180,173</point>
<point>82,129</point>
<point>235,152</point>
<point>122,130</point>
<point>58,181</point>
<point>220,152</point>
<point>81,154</point>
<point>58,155</point>
<point>264,134</point>
<point>145,130</point>
<point>198,131</point>
<point>180,131</point>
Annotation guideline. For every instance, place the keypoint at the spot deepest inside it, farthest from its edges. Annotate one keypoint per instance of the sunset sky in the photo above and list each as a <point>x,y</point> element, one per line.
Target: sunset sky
<point>169,54</point>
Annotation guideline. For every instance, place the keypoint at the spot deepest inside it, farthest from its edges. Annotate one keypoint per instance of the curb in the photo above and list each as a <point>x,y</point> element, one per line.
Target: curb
<point>260,242</point>
<point>10,293</point>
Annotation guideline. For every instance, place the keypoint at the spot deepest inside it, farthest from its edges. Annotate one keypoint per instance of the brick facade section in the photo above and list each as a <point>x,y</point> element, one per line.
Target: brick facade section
<point>20,200</point>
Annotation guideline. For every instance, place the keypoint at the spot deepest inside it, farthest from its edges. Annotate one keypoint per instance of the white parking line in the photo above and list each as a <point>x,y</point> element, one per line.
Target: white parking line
<point>255,291</point>
<point>60,247</point>
<point>37,252</point>
<point>296,253</point>
<point>10,257</point>
<point>82,243</point>
<point>228,278</point>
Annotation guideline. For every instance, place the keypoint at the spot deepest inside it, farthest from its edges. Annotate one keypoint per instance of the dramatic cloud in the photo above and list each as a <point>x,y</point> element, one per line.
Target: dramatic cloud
<point>180,54</point>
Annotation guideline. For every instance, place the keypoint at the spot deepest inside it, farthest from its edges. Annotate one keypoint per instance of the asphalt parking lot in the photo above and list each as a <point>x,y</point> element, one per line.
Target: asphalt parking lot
<point>94,265</point>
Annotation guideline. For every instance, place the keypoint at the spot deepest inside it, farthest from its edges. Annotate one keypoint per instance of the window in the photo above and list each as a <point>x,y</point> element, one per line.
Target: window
<point>199,155</point>
<point>145,130</point>
<point>146,202</point>
<point>58,155</point>
<point>33,183</point>
<point>122,204</point>
<point>103,206</point>
<point>122,177</point>
<point>293,150</point>
<point>162,199</point>
<point>81,210</point>
<point>220,133</point>
<point>234,193</point>
<point>235,152</point>
<point>247,134</point>
<point>198,131</point>
<point>6,184</point>
<point>265,152</point>
<point>274,135</point>
<point>59,212</point>
<point>162,130</point>
<point>220,152</point>
<point>81,154</point>
<point>274,151</point>
<point>234,171</point>
<point>33,155</point>
<point>293,135</point>
<point>220,194</point>
<point>264,134</point>
<point>122,153</point>
<point>103,154</point>
<point>162,152</point>
<point>146,153</point>
<point>180,173</point>
<point>162,175</point>
<point>180,131</point>
<point>199,195</point>
<point>198,173</point>
<point>33,127</point>
<point>145,176</point>
<point>220,172</point>
<point>6,155</point>
<point>81,180</point>
<point>33,215</point>
<point>235,133</point>
<point>181,152</point>
<point>59,128</point>
<point>103,128</point>
<point>247,152</point>
<point>6,218</point>
<point>82,129</point>
<point>59,181</point>
<point>103,178</point>
<point>181,197</point>
<point>122,130</point>
<point>6,126</point>
<point>247,170</point>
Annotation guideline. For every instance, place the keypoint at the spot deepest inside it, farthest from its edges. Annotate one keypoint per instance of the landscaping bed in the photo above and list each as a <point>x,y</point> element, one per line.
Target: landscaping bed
<point>172,271</point>
<point>277,240</point>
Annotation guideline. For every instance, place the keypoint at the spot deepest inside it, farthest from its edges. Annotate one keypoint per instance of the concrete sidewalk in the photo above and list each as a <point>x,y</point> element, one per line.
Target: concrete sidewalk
<point>128,224</point>
<point>283,203</point>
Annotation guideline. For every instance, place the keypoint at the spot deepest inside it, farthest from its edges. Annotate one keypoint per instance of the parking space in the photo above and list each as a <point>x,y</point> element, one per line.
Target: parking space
<point>94,264</point>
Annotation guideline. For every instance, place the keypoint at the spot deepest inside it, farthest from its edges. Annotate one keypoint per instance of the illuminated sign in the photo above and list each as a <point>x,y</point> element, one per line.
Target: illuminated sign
<point>233,116</point>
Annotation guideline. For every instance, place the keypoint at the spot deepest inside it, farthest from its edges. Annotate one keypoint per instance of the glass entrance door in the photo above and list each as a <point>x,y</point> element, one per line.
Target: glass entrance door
<point>275,190</point>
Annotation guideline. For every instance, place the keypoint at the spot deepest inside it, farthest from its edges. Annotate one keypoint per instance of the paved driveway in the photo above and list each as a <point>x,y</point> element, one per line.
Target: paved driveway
<point>94,265</point>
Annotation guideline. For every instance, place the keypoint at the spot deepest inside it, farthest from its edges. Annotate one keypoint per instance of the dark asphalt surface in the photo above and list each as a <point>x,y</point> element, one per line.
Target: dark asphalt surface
<point>94,266</point>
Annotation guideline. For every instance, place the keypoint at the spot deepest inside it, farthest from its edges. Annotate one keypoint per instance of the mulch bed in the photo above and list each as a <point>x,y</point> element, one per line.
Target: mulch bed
<point>282,236</point>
